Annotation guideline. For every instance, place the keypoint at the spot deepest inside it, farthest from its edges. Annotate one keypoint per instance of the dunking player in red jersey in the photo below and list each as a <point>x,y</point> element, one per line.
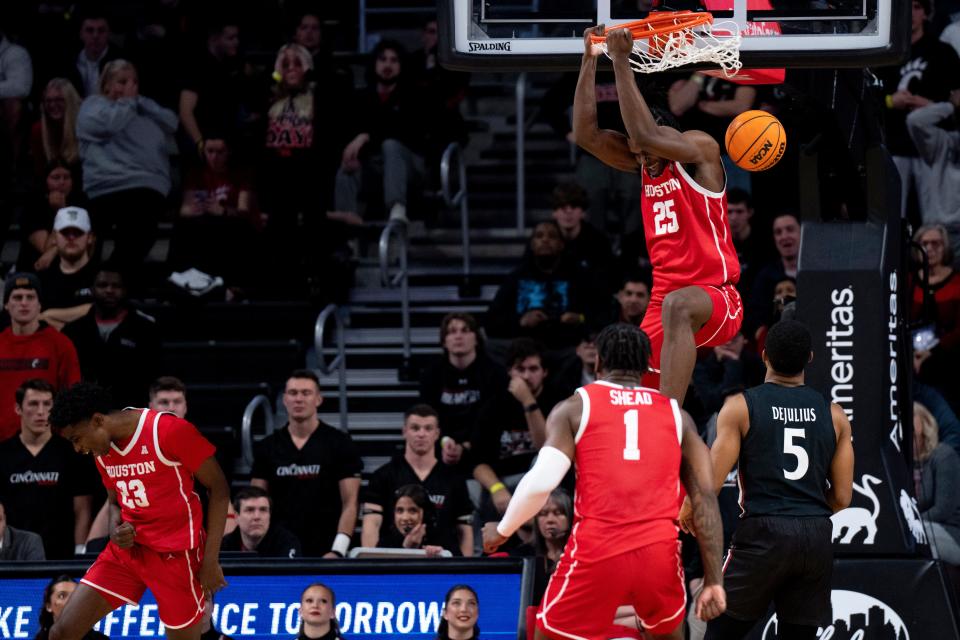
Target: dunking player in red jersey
<point>695,267</point>
<point>148,461</point>
<point>632,447</point>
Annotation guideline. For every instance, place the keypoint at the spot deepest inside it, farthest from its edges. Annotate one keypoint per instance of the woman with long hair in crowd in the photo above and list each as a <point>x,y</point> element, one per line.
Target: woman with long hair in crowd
<point>413,525</point>
<point>551,529</point>
<point>461,610</point>
<point>934,364</point>
<point>55,596</point>
<point>54,135</point>
<point>937,468</point>
<point>318,614</point>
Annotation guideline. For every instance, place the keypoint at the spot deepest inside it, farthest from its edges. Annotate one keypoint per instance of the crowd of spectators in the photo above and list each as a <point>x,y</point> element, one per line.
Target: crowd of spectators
<point>103,143</point>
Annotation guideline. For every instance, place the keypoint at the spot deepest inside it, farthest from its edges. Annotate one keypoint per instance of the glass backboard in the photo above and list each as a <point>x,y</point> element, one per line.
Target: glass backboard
<point>505,35</point>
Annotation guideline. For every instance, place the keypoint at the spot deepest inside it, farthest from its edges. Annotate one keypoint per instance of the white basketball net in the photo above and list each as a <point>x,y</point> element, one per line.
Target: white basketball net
<point>718,44</point>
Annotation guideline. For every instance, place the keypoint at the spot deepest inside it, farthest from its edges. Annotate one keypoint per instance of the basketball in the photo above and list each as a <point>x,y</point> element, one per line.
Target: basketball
<point>755,140</point>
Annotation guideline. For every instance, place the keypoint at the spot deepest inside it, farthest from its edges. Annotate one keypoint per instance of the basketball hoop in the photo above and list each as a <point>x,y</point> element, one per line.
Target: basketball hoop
<point>669,39</point>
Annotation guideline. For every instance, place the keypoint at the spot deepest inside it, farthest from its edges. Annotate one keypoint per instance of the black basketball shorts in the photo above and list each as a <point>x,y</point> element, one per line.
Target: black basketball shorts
<point>784,560</point>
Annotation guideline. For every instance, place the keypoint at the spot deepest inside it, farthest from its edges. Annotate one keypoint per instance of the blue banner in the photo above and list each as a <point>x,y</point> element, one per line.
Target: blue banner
<point>369,605</point>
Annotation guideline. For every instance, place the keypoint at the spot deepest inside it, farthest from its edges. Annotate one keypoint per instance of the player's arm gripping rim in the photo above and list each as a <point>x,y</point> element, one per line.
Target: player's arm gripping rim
<point>696,147</point>
<point>696,473</point>
<point>552,464</point>
<point>211,476</point>
<point>610,147</point>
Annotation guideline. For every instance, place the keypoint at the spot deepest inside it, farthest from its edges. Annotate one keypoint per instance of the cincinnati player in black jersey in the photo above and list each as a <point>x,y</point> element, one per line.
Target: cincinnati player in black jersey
<point>788,441</point>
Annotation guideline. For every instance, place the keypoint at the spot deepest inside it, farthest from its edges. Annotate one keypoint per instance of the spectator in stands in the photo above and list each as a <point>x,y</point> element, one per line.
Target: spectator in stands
<point>459,382</point>
<point>30,348</point>
<point>207,630</point>
<point>393,133</point>
<point>117,344</point>
<point>318,614</point>
<point>551,529</point>
<point>934,131</point>
<point>928,76</point>
<point>585,245</point>
<point>17,545</point>
<point>213,88</point>
<point>67,283</point>
<point>784,292</point>
<point>632,299</point>
<point>54,136</point>
<point>38,247</point>
<point>726,371</point>
<point>938,493</point>
<point>38,467</point>
<point>412,523</point>
<point>937,405</point>
<point>581,370</point>
<point>786,238</point>
<point>752,250</point>
<point>312,472</point>
<point>451,509</point>
<point>461,610</point>
<point>16,80</point>
<point>124,147</point>
<point>85,70</point>
<point>935,365</point>
<point>545,298</point>
<point>255,532</point>
<point>442,88</point>
<point>55,597</point>
<point>168,393</point>
<point>708,104</point>
<point>216,230</point>
<point>511,427</point>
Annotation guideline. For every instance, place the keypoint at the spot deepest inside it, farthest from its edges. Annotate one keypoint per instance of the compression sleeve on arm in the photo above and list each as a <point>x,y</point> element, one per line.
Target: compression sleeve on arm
<point>534,489</point>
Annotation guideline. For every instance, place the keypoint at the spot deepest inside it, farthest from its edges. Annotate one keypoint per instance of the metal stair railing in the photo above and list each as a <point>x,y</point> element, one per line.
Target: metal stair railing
<point>339,363</point>
<point>402,279</point>
<point>453,156</point>
<point>259,401</point>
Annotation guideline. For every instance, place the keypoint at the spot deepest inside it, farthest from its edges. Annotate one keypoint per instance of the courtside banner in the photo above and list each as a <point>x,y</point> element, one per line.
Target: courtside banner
<point>375,599</point>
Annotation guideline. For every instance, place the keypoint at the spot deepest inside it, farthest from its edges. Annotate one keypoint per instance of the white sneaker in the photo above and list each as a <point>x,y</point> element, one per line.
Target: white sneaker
<point>398,212</point>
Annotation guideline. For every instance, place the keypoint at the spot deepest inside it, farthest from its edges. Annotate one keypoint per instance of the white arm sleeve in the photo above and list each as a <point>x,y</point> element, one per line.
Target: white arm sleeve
<point>534,489</point>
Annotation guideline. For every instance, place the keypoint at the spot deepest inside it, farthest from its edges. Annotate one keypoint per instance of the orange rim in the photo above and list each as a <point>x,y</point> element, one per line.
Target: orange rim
<point>678,21</point>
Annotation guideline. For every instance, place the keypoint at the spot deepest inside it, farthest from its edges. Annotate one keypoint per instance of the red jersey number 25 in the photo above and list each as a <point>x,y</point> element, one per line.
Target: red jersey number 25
<point>665,220</point>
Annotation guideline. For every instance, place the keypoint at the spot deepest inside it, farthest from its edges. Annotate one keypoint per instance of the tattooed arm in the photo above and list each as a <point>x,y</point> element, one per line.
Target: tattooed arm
<point>696,472</point>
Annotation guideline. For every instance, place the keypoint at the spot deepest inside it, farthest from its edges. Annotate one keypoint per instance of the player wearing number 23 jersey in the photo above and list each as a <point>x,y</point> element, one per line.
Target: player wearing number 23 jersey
<point>633,447</point>
<point>148,461</point>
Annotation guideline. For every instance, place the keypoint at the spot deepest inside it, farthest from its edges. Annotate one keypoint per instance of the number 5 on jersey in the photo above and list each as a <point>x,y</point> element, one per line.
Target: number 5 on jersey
<point>796,450</point>
<point>665,220</point>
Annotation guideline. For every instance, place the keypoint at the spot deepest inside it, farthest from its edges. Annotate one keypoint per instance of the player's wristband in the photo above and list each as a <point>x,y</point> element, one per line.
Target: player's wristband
<point>341,544</point>
<point>497,486</point>
<point>889,101</point>
<point>530,408</point>
<point>79,550</point>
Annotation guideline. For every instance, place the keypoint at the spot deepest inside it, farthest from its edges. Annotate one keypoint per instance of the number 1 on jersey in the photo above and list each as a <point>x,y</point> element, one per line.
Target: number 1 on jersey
<point>631,421</point>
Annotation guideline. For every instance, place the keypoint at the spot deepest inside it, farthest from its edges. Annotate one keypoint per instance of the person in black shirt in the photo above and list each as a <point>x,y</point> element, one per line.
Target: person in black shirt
<point>418,465</point>
<point>586,246</point>
<point>413,523</point>
<point>311,470</point>
<point>511,428</point>
<point>318,614</point>
<point>118,346</point>
<point>61,189</point>
<point>55,597</point>
<point>551,530</point>
<point>67,284</point>
<point>459,382</point>
<point>753,250</point>
<point>38,467</point>
<point>255,532</point>
<point>788,441</point>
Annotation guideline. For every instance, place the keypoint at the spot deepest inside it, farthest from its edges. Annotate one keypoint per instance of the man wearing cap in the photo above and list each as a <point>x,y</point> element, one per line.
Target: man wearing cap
<point>68,282</point>
<point>30,348</point>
